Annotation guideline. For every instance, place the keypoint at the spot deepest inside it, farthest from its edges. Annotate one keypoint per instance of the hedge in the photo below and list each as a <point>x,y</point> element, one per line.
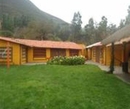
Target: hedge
<point>73,60</point>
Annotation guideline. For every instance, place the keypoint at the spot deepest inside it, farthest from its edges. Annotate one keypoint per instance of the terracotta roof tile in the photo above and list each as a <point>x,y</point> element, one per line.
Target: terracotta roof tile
<point>44,44</point>
<point>94,45</point>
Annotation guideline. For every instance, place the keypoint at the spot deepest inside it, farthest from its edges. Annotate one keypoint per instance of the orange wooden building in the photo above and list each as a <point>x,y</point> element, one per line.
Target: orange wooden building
<point>23,51</point>
<point>96,52</point>
<point>121,41</point>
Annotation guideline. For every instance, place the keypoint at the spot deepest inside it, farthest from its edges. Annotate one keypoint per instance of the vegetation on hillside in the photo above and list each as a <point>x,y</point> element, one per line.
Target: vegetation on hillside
<point>22,19</point>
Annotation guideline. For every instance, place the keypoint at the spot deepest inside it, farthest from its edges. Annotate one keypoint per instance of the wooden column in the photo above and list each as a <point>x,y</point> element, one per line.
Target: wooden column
<point>112,58</point>
<point>125,61</point>
<point>8,59</point>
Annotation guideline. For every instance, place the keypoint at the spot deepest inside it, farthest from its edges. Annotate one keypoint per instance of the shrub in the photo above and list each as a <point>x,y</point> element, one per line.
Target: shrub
<point>60,60</point>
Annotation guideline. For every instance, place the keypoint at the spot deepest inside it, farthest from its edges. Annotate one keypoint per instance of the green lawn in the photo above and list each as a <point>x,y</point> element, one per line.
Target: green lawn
<point>61,87</point>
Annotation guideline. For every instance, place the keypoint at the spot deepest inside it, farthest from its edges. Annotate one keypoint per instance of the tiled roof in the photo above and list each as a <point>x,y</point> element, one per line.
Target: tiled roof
<point>121,35</point>
<point>94,45</point>
<point>43,43</point>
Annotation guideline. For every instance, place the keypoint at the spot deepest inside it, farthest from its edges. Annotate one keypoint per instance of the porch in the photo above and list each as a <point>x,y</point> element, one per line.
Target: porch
<point>125,77</point>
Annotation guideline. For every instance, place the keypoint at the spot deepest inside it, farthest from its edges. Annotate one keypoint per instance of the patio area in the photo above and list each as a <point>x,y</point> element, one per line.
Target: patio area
<point>125,77</point>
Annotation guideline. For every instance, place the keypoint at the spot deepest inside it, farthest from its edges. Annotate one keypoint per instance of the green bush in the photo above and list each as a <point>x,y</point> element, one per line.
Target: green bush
<point>60,60</point>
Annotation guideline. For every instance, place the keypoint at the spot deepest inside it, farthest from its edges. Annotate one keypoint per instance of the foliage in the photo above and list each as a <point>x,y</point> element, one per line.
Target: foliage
<point>60,60</point>
<point>16,16</point>
<point>90,31</point>
<point>128,16</point>
<point>122,23</point>
<point>22,19</point>
<point>10,23</point>
<point>95,32</point>
<point>76,27</point>
<point>61,87</point>
<point>7,23</point>
<point>125,21</point>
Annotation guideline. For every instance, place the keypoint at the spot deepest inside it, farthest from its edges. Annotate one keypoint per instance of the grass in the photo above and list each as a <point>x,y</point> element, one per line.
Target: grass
<point>61,87</point>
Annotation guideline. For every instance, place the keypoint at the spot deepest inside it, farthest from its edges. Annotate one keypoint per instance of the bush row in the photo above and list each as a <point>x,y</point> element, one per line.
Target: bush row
<point>60,60</point>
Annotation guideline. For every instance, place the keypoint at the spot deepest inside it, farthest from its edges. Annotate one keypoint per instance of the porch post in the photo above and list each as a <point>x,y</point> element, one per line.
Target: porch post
<point>125,63</point>
<point>8,59</point>
<point>112,58</point>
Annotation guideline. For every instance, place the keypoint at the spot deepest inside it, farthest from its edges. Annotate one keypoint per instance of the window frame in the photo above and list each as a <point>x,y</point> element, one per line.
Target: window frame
<point>39,53</point>
<point>4,50</point>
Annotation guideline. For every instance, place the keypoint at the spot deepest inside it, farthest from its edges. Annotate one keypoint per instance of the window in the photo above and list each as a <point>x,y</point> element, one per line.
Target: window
<point>58,52</point>
<point>3,53</point>
<point>74,52</point>
<point>94,52</point>
<point>23,52</point>
<point>39,53</point>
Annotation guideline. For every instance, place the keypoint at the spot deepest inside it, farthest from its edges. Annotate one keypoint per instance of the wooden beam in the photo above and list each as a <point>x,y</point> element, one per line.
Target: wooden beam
<point>112,58</point>
<point>8,59</point>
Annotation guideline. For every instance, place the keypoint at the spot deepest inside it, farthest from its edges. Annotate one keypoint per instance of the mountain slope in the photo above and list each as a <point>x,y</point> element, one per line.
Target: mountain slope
<point>25,7</point>
<point>22,19</point>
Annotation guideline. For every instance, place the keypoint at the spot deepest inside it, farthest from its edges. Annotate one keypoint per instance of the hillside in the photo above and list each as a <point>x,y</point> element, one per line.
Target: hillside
<point>39,22</point>
<point>25,7</point>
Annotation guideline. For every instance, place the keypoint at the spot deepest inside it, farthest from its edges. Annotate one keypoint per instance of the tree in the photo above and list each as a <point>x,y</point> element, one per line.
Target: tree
<point>43,29</point>
<point>122,24</point>
<point>7,25</point>
<point>102,29</point>
<point>64,32</point>
<point>90,31</point>
<point>111,29</point>
<point>76,26</point>
<point>128,16</point>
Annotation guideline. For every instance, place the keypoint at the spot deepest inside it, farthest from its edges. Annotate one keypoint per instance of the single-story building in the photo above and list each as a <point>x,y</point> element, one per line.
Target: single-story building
<point>121,41</point>
<point>96,52</point>
<point>102,54</point>
<point>29,51</point>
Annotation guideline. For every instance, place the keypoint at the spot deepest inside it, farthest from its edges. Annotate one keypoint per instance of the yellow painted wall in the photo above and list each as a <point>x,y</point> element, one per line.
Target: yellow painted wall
<point>83,51</point>
<point>101,55</point>
<point>48,53</point>
<point>15,52</point>
<point>93,54</point>
<point>29,54</point>
<point>31,59</point>
<point>97,54</point>
<point>67,53</point>
<point>89,53</point>
<point>108,56</point>
<point>104,55</point>
<point>117,53</point>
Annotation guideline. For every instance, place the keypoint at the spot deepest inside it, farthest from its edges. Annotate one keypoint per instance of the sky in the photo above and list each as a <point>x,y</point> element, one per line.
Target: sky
<point>113,10</point>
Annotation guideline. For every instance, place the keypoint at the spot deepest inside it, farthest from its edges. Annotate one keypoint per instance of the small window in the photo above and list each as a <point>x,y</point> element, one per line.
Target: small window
<point>23,52</point>
<point>39,53</point>
<point>58,52</point>
<point>3,53</point>
<point>74,52</point>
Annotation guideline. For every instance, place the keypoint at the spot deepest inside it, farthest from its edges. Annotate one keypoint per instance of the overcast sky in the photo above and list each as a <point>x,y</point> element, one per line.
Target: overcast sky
<point>113,10</point>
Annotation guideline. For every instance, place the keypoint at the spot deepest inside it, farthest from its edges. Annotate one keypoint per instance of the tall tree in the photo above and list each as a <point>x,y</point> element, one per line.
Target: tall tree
<point>122,23</point>
<point>90,31</point>
<point>7,25</point>
<point>128,16</point>
<point>102,29</point>
<point>76,26</point>
<point>111,29</point>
